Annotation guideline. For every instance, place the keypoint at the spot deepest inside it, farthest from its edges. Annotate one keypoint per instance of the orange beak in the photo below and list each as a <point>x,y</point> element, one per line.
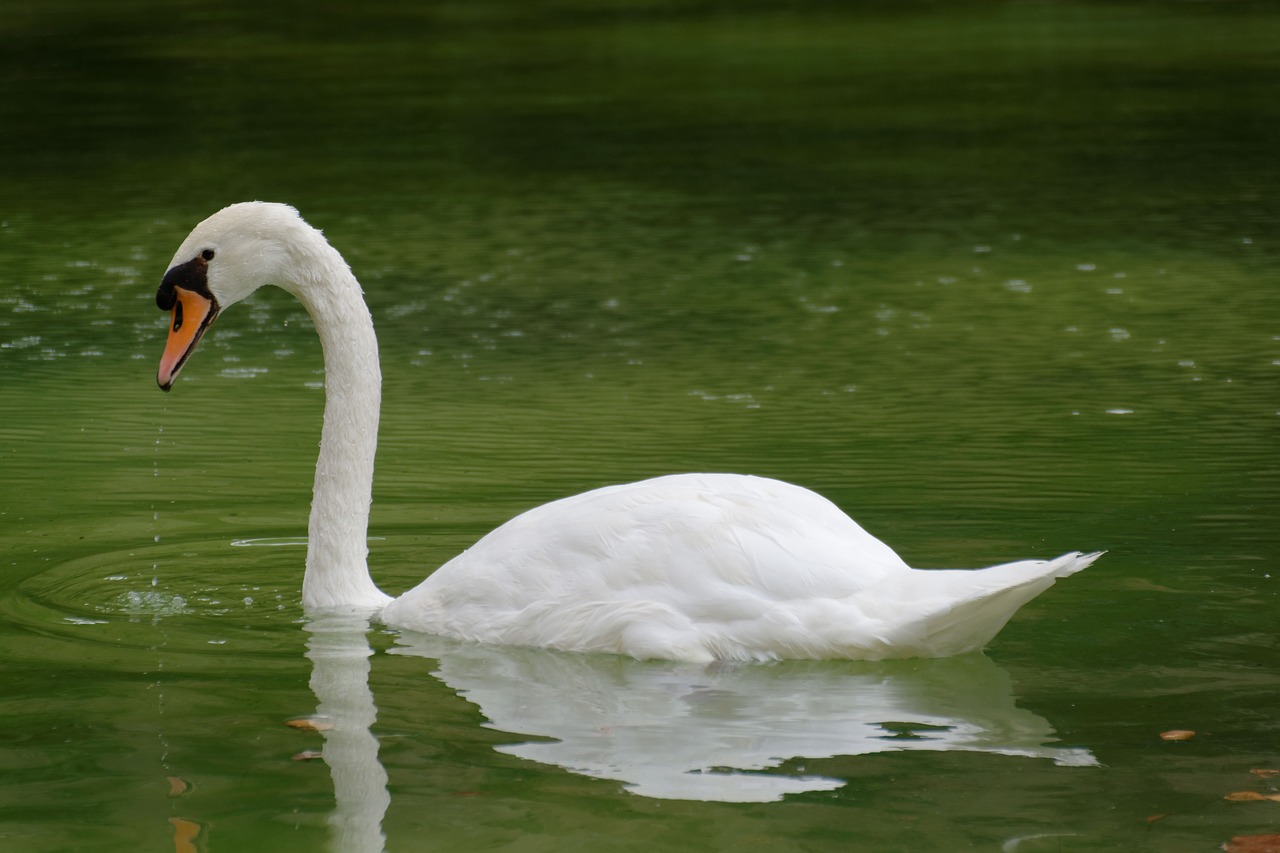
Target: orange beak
<point>192,314</point>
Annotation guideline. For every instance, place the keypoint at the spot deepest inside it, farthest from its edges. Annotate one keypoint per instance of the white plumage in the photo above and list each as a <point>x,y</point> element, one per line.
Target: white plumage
<point>686,567</point>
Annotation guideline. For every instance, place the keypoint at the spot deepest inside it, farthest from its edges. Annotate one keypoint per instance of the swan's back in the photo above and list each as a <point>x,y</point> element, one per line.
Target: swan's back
<point>697,567</point>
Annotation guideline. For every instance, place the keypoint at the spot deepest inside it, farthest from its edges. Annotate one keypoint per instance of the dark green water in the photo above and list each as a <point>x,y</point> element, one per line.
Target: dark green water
<point>1001,279</point>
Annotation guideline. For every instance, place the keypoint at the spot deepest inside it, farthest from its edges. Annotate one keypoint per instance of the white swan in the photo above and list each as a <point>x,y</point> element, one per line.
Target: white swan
<point>688,567</point>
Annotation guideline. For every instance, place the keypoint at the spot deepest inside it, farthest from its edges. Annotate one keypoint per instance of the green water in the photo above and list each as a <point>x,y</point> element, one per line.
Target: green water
<point>1000,279</point>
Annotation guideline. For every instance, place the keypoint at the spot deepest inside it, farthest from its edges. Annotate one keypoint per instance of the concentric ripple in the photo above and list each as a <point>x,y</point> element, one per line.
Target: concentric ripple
<point>204,593</point>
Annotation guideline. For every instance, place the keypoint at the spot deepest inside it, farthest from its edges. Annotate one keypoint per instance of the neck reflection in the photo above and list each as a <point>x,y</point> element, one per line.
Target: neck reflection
<point>338,647</point>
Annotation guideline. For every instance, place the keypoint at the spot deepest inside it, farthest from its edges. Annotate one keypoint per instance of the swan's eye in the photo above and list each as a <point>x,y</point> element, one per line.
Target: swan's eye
<point>207,254</point>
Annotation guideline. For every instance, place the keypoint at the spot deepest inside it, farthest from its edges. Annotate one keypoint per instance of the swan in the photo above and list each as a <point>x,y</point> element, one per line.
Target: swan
<point>695,567</point>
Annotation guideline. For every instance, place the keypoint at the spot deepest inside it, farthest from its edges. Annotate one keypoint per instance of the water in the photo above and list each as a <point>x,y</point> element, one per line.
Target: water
<point>999,279</point>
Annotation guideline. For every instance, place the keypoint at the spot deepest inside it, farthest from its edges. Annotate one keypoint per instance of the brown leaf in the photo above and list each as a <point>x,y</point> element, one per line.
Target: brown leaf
<point>308,755</point>
<point>1155,817</point>
<point>1177,734</point>
<point>177,786</point>
<point>1253,844</point>
<point>185,833</point>
<point>1250,796</point>
<point>1265,773</point>
<point>309,724</point>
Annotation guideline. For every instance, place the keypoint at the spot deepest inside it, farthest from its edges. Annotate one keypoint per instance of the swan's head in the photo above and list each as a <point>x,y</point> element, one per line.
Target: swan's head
<point>224,259</point>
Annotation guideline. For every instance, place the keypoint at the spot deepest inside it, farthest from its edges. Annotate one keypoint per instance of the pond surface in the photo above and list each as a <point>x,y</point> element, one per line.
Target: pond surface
<point>1000,279</point>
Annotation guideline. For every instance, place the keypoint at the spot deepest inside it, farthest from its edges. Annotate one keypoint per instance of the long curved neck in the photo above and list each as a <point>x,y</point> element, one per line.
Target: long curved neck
<point>337,552</point>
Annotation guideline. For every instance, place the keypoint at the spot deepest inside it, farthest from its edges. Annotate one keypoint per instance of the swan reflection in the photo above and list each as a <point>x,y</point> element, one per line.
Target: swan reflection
<point>339,651</point>
<point>725,731</point>
<point>732,733</point>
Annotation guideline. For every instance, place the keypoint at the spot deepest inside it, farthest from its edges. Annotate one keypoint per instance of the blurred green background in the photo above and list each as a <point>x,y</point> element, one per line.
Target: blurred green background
<point>998,278</point>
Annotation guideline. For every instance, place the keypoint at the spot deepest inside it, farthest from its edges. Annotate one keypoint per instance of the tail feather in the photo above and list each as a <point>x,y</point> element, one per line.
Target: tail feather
<point>962,610</point>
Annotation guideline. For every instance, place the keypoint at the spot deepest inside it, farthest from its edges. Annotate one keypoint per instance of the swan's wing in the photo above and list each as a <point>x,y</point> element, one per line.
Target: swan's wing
<point>642,566</point>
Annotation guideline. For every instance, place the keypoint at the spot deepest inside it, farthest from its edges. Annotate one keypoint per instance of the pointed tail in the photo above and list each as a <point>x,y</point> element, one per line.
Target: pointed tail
<point>970,607</point>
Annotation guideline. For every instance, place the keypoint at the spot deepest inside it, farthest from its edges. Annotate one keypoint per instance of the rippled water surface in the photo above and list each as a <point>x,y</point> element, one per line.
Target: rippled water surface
<point>1000,279</point>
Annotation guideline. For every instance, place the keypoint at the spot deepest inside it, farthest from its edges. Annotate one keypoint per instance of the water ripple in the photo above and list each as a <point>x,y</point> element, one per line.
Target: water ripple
<point>119,597</point>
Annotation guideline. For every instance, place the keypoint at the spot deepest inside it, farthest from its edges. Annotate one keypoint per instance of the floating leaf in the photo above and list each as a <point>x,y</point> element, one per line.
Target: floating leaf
<point>1250,796</point>
<point>1155,817</point>
<point>1253,844</point>
<point>1265,773</point>
<point>308,724</point>
<point>185,833</point>
<point>177,786</point>
<point>308,755</point>
<point>1177,734</point>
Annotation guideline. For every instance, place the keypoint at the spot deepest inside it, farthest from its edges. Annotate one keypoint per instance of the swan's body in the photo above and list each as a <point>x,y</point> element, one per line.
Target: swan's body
<point>689,566</point>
